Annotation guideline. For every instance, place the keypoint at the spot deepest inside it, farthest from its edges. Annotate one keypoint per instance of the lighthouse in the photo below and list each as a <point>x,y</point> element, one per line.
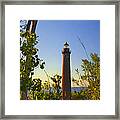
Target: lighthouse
<point>66,75</point>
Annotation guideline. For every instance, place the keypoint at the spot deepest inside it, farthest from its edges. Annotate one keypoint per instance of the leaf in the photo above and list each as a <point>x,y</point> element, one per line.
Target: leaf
<point>42,66</point>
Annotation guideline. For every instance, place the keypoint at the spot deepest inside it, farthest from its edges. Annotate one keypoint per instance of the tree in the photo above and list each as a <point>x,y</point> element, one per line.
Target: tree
<point>35,88</point>
<point>28,58</point>
<point>91,73</point>
<point>57,80</point>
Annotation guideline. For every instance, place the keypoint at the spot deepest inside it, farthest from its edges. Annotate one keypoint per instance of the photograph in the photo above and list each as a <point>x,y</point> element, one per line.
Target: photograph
<point>59,59</point>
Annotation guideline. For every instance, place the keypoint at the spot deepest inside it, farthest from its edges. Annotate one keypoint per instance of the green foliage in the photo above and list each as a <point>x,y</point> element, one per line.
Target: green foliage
<point>57,80</point>
<point>91,73</point>
<point>28,60</point>
<point>43,91</point>
<point>35,87</point>
<point>42,65</point>
<point>56,86</point>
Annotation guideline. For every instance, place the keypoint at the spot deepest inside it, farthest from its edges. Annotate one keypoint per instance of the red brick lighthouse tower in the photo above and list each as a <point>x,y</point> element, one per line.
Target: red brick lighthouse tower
<point>66,76</point>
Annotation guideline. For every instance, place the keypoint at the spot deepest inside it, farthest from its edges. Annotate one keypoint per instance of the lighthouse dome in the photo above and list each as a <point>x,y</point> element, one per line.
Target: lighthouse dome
<point>66,45</point>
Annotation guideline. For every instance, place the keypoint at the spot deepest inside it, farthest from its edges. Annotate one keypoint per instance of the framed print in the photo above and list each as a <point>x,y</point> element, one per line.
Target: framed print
<point>60,60</point>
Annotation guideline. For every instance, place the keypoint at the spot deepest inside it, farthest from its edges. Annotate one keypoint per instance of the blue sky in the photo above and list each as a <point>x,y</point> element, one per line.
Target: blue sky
<point>54,33</point>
